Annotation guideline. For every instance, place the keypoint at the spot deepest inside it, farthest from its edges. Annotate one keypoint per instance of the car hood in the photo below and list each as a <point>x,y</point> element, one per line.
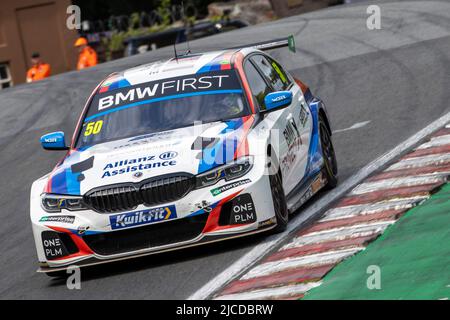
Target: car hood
<point>191,150</point>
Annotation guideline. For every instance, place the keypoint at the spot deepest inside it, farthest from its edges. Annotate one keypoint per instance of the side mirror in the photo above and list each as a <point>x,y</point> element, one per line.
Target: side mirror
<point>277,100</point>
<point>54,141</point>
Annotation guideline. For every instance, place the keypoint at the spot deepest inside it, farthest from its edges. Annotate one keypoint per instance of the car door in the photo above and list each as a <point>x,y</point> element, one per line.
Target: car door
<point>295,124</point>
<point>276,119</point>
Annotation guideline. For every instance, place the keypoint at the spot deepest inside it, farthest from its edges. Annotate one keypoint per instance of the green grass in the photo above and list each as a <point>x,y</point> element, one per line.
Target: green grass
<point>413,256</point>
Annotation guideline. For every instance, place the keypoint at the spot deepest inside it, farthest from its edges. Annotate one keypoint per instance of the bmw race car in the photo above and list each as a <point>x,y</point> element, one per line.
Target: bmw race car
<point>182,152</point>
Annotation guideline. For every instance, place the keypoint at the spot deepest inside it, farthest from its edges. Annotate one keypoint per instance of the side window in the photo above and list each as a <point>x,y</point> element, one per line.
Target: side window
<point>281,73</point>
<point>257,84</point>
<point>273,72</point>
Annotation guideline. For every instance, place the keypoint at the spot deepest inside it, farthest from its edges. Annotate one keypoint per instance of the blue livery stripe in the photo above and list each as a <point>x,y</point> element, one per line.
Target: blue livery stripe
<point>72,183</point>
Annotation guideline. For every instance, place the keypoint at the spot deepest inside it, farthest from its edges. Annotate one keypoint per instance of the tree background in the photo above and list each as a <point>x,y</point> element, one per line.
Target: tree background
<point>103,9</point>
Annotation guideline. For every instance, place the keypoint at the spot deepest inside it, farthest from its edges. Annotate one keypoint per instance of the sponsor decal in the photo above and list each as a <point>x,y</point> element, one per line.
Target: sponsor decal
<point>224,188</point>
<point>53,246</point>
<point>294,141</point>
<point>291,133</point>
<point>62,219</point>
<point>315,186</point>
<point>139,164</point>
<point>132,219</point>
<point>267,222</point>
<point>303,115</point>
<point>137,175</point>
<point>242,210</point>
<point>279,98</point>
<point>190,84</point>
<point>168,155</point>
<point>306,196</point>
<point>318,183</point>
<point>279,72</point>
<point>144,139</point>
<point>204,205</point>
<point>82,229</point>
<point>151,136</point>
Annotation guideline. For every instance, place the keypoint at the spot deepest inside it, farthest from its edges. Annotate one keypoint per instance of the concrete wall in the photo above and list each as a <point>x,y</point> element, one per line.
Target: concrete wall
<point>27,26</point>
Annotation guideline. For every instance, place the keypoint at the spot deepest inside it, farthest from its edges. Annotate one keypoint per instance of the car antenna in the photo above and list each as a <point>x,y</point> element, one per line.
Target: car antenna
<point>175,50</point>
<point>188,51</point>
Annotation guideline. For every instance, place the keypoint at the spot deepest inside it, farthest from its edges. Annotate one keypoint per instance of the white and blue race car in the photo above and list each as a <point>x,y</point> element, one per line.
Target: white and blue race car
<point>191,150</point>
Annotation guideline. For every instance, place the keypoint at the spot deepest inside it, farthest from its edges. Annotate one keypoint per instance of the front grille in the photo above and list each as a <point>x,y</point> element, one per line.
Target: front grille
<point>146,237</point>
<point>166,189</point>
<point>119,198</point>
<point>150,192</point>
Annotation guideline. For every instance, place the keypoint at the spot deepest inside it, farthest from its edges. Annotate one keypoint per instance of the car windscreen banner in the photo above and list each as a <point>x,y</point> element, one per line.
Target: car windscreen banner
<point>225,81</point>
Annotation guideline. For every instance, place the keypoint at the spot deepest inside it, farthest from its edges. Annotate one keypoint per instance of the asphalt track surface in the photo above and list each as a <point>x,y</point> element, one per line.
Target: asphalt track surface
<point>398,78</point>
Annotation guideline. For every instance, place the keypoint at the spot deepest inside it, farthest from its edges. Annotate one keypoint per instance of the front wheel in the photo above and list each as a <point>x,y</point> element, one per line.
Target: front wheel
<point>329,156</point>
<point>279,202</point>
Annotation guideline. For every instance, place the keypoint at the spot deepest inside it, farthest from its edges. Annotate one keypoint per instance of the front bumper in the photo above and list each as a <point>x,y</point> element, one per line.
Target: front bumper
<point>93,260</point>
<point>89,238</point>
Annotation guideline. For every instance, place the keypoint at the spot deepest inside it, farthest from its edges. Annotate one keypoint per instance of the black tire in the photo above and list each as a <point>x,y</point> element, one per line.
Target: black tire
<point>330,164</point>
<point>279,203</point>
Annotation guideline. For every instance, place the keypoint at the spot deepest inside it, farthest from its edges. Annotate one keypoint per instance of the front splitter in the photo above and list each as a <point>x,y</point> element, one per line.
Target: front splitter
<point>206,240</point>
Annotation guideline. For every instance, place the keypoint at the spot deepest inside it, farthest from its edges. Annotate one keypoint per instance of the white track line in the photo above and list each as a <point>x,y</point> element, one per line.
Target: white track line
<point>417,162</point>
<point>371,208</point>
<point>359,230</point>
<point>357,125</point>
<point>241,265</point>
<point>436,142</point>
<point>271,293</point>
<point>312,260</point>
<point>393,183</point>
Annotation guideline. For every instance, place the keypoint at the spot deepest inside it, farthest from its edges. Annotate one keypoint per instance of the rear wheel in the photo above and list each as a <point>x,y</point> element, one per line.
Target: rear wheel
<point>279,202</point>
<point>329,156</point>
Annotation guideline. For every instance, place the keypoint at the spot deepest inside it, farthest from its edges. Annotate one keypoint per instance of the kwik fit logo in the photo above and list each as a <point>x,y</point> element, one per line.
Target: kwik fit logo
<point>137,218</point>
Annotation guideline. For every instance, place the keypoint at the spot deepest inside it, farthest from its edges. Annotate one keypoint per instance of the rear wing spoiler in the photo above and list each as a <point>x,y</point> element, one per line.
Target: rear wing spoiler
<point>271,44</point>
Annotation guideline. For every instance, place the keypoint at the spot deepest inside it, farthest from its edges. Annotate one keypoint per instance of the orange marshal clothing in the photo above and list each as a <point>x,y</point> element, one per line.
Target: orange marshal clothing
<point>38,72</point>
<point>87,58</point>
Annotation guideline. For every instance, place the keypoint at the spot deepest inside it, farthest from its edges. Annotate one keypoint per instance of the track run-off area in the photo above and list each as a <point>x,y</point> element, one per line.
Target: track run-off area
<point>394,81</point>
<point>356,220</point>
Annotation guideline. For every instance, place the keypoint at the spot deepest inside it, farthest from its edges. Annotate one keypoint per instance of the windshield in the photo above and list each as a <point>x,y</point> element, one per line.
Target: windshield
<point>162,105</point>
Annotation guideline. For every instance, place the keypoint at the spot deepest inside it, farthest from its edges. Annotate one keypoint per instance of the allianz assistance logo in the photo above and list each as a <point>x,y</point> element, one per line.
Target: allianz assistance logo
<point>137,218</point>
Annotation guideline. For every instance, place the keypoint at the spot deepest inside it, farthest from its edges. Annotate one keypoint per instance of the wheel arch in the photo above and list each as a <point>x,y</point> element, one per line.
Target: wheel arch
<point>323,113</point>
<point>272,156</point>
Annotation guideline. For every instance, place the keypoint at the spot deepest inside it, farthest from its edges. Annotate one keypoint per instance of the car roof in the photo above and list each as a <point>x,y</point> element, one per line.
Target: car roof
<point>173,67</point>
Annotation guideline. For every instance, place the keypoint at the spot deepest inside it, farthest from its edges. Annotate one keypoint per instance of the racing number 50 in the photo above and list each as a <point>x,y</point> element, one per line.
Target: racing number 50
<point>93,128</point>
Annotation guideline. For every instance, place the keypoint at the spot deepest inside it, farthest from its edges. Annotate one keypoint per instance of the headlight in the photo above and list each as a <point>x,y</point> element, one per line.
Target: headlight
<point>228,172</point>
<point>54,203</point>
